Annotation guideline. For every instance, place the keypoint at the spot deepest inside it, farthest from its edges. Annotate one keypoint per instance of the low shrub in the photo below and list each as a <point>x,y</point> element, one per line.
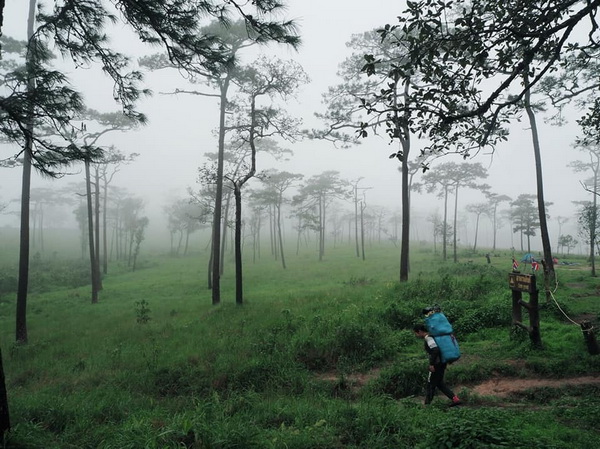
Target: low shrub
<point>400,380</point>
<point>477,429</point>
<point>352,339</point>
<point>495,311</point>
<point>182,380</point>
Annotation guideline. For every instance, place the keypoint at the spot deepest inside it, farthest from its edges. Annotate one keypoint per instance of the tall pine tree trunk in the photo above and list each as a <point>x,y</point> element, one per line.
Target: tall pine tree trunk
<point>549,274</point>
<point>4,415</point>
<point>279,233</point>
<point>23,284</point>
<point>97,228</point>
<point>593,222</point>
<point>104,229</point>
<point>92,249</point>
<point>455,256</point>
<point>216,245</point>
<point>445,226</point>
<point>239,284</point>
<point>405,243</point>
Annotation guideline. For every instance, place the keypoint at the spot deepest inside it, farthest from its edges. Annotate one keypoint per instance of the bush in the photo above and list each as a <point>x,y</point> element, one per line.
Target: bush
<point>351,339</point>
<point>400,315</point>
<point>401,380</point>
<point>496,311</point>
<point>48,275</point>
<point>8,280</point>
<point>182,380</point>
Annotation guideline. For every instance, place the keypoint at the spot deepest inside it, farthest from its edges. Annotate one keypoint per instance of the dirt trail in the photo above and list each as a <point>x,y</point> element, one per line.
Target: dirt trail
<point>502,387</point>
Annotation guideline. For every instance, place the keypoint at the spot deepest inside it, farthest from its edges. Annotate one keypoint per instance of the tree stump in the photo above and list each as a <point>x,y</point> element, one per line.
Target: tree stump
<point>590,337</point>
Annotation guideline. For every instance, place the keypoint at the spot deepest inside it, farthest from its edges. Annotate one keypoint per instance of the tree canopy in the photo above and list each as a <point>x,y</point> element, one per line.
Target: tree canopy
<point>473,54</point>
<point>77,30</point>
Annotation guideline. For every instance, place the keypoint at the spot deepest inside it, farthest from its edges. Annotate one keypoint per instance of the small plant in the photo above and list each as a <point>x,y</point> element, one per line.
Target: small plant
<point>142,311</point>
<point>115,355</point>
<point>358,281</point>
<point>482,429</point>
<point>79,366</point>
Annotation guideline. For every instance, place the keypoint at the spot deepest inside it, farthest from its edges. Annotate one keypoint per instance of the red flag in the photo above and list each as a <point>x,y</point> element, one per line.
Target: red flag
<point>534,265</point>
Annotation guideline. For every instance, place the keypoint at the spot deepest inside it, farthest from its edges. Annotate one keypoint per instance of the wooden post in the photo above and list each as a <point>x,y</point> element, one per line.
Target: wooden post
<point>590,337</point>
<point>526,283</point>
<point>517,314</point>
<point>534,319</point>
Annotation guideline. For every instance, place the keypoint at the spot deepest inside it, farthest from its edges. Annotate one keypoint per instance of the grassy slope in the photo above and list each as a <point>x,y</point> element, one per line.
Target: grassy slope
<point>202,376</point>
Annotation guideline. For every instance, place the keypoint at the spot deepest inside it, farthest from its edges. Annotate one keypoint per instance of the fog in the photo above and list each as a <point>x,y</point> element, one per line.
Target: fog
<point>181,129</point>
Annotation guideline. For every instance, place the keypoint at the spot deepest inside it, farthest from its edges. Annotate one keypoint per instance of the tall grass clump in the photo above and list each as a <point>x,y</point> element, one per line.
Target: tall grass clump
<point>351,338</point>
<point>471,301</point>
<point>479,429</point>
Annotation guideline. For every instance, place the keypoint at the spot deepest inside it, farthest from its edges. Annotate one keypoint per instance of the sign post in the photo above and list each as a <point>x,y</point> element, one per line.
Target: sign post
<point>520,283</point>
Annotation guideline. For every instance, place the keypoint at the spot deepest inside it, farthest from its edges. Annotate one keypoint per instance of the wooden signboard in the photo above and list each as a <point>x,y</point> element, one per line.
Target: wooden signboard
<point>522,282</point>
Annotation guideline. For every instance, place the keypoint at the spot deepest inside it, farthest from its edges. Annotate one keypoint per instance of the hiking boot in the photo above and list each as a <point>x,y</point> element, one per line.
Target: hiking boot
<point>455,401</point>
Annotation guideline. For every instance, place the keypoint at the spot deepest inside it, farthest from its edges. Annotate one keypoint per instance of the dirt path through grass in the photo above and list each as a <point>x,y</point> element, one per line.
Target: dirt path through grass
<point>502,387</point>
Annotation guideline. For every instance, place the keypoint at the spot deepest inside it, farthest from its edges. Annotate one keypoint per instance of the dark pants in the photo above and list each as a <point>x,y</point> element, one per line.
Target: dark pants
<point>436,380</point>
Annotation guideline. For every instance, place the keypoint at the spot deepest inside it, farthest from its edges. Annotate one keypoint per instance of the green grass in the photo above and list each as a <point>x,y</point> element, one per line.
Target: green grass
<point>278,371</point>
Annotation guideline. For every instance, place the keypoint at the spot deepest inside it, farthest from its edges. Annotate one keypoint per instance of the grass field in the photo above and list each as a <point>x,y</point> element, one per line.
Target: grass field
<point>320,355</point>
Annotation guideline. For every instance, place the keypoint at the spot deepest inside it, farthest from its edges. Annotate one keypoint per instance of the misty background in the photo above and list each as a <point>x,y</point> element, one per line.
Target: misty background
<point>181,128</point>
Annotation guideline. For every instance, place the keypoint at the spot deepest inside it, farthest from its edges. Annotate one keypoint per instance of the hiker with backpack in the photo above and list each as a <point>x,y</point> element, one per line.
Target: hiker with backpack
<point>437,367</point>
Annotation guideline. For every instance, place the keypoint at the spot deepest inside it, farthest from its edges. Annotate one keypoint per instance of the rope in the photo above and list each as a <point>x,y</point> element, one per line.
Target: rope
<point>556,302</point>
<point>558,305</point>
<point>555,282</point>
<point>562,311</point>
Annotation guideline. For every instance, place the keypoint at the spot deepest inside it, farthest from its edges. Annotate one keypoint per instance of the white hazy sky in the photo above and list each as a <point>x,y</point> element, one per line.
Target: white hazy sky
<point>180,127</point>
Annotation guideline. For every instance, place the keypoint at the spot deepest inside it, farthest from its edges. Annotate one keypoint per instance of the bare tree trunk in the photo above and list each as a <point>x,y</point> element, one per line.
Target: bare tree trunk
<point>476,232</point>
<point>187,242</point>
<point>97,228</point>
<point>210,264</point>
<point>455,231</point>
<point>362,229</point>
<point>356,216</point>
<point>494,227</point>
<point>321,228</point>
<point>299,235</point>
<point>224,230</point>
<point>4,415</point>
<point>548,264</point>
<point>41,227</point>
<point>2,4</point>
<point>593,225</point>
<point>216,252</point>
<point>94,272</point>
<point>179,242</point>
<point>21,323</point>
<point>259,226</point>
<point>239,284</point>
<point>445,225</point>
<point>104,230</point>
<point>279,233</point>
<point>21,313</point>
<point>405,243</point>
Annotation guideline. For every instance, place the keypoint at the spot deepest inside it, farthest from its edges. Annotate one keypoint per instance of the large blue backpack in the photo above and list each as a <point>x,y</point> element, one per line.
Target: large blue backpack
<point>441,330</point>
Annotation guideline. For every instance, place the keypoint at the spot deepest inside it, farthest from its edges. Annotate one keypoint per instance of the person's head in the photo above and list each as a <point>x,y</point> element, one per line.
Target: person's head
<point>420,330</point>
